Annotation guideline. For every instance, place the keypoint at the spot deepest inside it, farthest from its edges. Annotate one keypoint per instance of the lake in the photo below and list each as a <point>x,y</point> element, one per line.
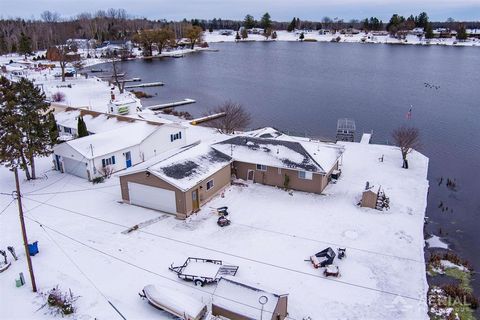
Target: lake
<point>304,88</point>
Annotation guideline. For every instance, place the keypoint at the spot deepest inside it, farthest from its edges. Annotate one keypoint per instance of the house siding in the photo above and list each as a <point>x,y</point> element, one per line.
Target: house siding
<point>275,177</point>
<point>183,199</point>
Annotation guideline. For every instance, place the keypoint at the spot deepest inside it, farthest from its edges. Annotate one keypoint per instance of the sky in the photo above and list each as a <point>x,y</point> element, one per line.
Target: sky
<point>280,10</point>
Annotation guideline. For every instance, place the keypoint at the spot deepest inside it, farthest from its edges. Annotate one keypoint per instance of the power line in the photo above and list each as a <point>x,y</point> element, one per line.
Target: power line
<point>69,191</point>
<point>238,256</point>
<point>8,205</point>
<point>43,226</point>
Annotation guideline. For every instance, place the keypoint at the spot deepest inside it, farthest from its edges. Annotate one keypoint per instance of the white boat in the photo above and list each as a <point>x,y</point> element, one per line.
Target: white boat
<point>174,302</point>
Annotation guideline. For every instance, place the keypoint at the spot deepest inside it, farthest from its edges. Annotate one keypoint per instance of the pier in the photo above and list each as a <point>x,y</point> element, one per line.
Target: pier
<point>208,118</point>
<point>143,85</point>
<point>171,104</point>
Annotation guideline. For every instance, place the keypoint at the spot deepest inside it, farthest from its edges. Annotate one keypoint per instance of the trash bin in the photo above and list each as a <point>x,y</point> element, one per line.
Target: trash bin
<point>33,248</point>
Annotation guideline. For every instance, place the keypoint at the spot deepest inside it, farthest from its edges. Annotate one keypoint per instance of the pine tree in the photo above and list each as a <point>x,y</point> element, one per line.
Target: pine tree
<point>53,128</point>
<point>25,45</point>
<point>274,35</point>
<point>81,128</point>
<point>249,22</point>
<point>25,125</point>
<point>244,33</point>
<point>429,31</point>
<point>302,36</point>
<point>3,44</point>
<point>13,49</point>
<point>266,21</point>
<point>237,37</point>
<point>462,33</point>
<point>292,24</point>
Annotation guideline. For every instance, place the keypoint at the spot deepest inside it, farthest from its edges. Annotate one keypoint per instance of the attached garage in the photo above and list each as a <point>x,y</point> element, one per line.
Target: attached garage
<point>75,167</point>
<point>152,197</point>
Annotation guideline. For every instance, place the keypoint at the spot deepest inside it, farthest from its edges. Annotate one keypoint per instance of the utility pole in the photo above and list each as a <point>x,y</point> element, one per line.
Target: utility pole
<point>24,231</point>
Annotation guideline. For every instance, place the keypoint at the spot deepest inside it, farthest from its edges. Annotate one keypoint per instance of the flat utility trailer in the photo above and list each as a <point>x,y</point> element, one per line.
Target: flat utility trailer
<point>174,302</point>
<point>203,271</point>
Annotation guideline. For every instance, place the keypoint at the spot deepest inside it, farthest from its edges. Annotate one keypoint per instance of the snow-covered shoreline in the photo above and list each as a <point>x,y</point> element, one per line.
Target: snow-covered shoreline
<point>216,37</point>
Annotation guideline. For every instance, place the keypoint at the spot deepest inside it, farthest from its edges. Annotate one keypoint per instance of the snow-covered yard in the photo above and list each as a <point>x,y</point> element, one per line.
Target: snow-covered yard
<point>272,233</point>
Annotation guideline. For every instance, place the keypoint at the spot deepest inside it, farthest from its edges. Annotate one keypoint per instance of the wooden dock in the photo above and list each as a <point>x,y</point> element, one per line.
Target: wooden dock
<point>171,104</point>
<point>208,118</point>
<point>145,85</point>
<point>366,137</point>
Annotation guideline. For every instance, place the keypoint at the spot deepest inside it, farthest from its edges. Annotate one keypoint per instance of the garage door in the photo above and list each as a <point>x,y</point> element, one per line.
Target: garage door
<point>75,167</point>
<point>152,197</point>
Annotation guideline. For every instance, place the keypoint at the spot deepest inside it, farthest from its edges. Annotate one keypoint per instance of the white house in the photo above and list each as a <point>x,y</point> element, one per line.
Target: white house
<point>114,150</point>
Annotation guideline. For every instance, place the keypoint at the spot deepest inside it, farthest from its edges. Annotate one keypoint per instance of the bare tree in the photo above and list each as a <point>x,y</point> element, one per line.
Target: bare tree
<point>116,70</point>
<point>406,139</point>
<point>236,117</point>
<point>49,16</point>
<point>65,56</point>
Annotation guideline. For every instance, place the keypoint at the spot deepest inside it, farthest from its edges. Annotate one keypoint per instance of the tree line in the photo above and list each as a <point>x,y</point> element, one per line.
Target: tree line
<point>117,24</point>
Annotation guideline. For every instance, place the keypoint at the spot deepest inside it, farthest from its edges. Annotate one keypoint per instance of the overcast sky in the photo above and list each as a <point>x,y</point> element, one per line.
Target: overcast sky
<point>280,10</point>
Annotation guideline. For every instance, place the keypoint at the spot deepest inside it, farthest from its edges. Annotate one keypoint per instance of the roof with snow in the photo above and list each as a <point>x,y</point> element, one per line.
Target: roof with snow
<point>243,298</point>
<point>113,140</point>
<point>297,155</point>
<point>184,167</point>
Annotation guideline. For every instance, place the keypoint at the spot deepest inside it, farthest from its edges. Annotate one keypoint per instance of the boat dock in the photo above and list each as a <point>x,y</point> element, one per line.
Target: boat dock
<point>208,118</point>
<point>366,137</point>
<point>171,104</point>
<point>144,85</point>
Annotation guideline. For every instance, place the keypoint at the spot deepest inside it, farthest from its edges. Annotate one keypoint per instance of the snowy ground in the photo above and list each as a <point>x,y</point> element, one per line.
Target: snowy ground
<point>272,232</point>
<point>292,36</point>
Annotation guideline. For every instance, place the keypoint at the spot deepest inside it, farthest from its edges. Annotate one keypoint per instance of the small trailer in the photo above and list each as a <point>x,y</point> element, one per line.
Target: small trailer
<point>203,271</point>
<point>174,302</point>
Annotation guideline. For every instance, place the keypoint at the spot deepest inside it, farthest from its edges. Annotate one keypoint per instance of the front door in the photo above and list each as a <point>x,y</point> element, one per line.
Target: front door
<point>128,159</point>
<point>250,175</point>
<point>195,202</point>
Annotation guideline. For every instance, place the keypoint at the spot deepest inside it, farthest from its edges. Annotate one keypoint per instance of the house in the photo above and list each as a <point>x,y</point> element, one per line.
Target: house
<point>178,181</point>
<point>54,54</point>
<point>417,32</point>
<point>298,164</point>
<point>238,300</point>
<point>110,151</point>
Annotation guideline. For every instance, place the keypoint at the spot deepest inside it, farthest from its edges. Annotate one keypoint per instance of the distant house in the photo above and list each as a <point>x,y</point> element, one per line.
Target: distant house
<point>417,32</point>
<point>238,300</point>
<point>177,182</point>
<point>300,165</point>
<point>473,33</point>
<point>114,150</point>
<point>53,54</point>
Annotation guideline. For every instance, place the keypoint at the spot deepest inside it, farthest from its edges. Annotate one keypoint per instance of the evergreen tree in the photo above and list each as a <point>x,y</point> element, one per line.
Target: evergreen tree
<point>266,21</point>
<point>237,37</point>
<point>422,20</point>
<point>81,128</point>
<point>292,24</point>
<point>462,33</point>
<point>302,36</point>
<point>25,45</point>
<point>249,22</point>
<point>3,44</point>
<point>274,35</point>
<point>244,33</point>
<point>25,125</point>
<point>53,128</point>
<point>429,31</point>
<point>14,47</point>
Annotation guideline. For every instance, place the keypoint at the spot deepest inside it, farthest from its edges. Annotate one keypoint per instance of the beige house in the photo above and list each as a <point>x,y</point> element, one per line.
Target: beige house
<point>299,165</point>
<point>177,182</point>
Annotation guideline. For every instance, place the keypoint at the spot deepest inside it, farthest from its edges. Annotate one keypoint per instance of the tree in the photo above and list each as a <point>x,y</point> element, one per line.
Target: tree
<point>302,36</point>
<point>237,37</point>
<point>429,31</point>
<point>164,37</point>
<point>462,33</point>
<point>422,20</point>
<point>3,44</point>
<point>266,21</point>
<point>194,34</point>
<point>116,71</point>
<point>53,128</point>
<point>407,139</point>
<point>236,117</point>
<point>81,128</point>
<point>267,33</point>
<point>244,33</point>
<point>395,24</point>
<point>249,22</point>
<point>65,56</point>
<point>292,24</point>
<point>25,125</point>
<point>146,39</point>
<point>25,45</point>
<point>274,35</point>
<point>49,16</point>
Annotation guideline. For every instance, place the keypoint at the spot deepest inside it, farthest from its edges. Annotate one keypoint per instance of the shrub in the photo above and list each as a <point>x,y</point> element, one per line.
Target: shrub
<point>98,180</point>
<point>58,96</point>
<point>286,182</point>
<point>60,303</point>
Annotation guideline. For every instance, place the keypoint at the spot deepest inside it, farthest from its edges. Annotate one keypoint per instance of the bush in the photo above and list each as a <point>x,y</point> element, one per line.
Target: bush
<point>58,97</point>
<point>460,294</point>
<point>60,303</point>
<point>98,180</point>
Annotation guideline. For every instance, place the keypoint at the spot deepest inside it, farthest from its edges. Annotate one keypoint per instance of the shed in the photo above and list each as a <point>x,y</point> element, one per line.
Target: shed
<point>237,300</point>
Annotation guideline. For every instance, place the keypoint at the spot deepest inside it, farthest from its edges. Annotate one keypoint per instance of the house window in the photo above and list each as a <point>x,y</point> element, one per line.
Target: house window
<point>67,130</point>
<point>175,136</point>
<point>108,161</point>
<point>261,167</point>
<point>209,184</point>
<point>305,175</point>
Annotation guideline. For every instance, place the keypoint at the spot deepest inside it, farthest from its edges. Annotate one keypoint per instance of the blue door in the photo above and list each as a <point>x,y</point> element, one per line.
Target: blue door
<point>128,159</point>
